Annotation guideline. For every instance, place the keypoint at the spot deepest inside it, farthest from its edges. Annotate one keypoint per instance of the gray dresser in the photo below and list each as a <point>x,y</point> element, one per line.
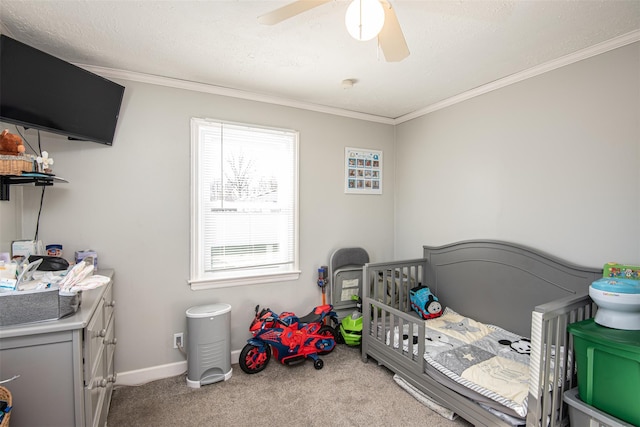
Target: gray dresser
<point>66,366</point>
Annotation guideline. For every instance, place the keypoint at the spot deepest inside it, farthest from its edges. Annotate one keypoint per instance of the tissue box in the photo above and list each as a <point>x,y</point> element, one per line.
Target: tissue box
<point>80,255</point>
<point>35,306</point>
<point>25,248</point>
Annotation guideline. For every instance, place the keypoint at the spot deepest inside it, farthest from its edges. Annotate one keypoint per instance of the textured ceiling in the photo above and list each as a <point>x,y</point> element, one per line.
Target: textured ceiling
<point>455,46</point>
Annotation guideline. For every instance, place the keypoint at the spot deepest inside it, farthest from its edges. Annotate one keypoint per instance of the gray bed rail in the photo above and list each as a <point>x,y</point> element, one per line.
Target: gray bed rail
<point>386,306</point>
<point>548,334</point>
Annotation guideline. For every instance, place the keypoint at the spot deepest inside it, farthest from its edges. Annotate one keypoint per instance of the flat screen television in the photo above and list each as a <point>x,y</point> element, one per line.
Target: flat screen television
<point>40,91</point>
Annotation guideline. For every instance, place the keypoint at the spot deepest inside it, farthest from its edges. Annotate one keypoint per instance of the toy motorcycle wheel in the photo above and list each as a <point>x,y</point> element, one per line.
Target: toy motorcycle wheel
<point>252,360</point>
<point>339,337</point>
<point>318,363</point>
<point>329,332</point>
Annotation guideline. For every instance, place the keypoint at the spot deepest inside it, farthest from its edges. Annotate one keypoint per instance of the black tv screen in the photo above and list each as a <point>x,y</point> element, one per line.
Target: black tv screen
<point>40,91</point>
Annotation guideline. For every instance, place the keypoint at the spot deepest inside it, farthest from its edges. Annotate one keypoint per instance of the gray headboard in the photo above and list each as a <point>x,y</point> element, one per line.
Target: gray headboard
<point>501,283</point>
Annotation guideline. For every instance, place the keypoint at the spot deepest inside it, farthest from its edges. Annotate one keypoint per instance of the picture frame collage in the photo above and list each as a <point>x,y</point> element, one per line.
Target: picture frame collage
<point>363,171</point>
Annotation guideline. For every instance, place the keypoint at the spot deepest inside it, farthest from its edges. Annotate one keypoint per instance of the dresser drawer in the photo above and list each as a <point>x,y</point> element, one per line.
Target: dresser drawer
<point>110,340</point>
<point>95,393</point>
<point>109,304</point>
<point>99,351</point>
<point>94,335</point>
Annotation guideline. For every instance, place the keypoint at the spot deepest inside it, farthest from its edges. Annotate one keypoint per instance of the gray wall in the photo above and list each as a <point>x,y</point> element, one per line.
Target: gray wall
<point>130,202</point>
<point>552,162</point>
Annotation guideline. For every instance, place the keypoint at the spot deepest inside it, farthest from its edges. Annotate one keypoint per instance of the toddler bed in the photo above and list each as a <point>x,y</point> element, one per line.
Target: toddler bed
<point>500,353</point>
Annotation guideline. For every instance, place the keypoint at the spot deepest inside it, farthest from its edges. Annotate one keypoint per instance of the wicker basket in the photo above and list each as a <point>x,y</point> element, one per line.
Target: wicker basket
<point>15,165</point>
<point>5,395</point>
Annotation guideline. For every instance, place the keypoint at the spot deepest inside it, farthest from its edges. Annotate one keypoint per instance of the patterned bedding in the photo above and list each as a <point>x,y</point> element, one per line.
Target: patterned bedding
<point>487,359</point>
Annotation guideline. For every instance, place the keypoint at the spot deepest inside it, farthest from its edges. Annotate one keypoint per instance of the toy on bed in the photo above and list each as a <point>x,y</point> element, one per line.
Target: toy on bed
<point>424,302</point>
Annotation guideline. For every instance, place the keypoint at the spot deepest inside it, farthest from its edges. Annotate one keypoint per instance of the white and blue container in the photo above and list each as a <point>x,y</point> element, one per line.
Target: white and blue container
<point>618,302</point>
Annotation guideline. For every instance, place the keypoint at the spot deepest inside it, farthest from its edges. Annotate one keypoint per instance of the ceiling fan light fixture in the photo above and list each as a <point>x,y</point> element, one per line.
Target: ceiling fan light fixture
<point>364,19</point>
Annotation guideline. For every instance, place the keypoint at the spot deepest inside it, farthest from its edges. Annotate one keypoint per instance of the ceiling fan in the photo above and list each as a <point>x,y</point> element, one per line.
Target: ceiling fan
<point>390,37</point>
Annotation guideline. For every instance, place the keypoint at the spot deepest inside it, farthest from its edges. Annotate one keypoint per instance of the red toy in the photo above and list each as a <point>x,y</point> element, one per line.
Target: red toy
<point>291,339</point>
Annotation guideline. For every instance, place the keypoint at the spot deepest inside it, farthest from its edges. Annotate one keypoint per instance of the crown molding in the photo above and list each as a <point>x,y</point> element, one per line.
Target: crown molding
<point>589,52</point>
<point>233,93</point>
<point>594,50</point>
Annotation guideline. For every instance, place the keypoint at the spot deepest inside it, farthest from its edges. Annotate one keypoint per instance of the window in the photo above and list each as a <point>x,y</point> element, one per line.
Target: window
<point>244,204</point>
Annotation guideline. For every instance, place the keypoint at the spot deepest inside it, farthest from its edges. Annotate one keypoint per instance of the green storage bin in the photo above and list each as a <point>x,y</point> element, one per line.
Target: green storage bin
<point>608,369</point>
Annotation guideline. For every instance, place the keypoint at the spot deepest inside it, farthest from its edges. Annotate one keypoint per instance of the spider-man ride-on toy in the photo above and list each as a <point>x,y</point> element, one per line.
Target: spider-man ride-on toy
<point>292,339</point>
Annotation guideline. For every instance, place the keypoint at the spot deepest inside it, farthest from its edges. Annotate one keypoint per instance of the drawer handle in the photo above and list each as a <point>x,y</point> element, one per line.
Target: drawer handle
<point>112,378</point>
<point>101,334</point>
<point>111,304</point>
<point>112,341</point>
<point>103,383</point>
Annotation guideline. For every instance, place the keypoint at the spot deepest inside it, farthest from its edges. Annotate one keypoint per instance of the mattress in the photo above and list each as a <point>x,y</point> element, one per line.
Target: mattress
<point>483,362</point>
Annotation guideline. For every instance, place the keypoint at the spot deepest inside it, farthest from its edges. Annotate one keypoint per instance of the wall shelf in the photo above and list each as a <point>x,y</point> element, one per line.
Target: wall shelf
<point>39,180</point>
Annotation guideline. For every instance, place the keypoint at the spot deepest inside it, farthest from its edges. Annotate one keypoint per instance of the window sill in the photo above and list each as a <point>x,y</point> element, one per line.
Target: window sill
<point>203,284</point>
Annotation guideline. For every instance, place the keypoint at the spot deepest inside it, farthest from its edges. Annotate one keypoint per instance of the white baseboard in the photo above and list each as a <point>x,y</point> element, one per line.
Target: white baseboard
<point>143,376</point>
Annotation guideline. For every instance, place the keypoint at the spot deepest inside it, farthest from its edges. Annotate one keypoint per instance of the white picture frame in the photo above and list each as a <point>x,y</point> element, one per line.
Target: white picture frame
<point>362,171</point>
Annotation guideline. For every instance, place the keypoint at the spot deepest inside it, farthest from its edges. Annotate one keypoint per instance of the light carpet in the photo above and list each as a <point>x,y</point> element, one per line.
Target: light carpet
<point>345,392</point>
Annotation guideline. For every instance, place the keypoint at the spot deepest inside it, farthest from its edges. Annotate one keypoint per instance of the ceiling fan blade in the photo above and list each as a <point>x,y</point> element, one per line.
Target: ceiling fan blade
<point>391,39</point>
<point>289,11</point>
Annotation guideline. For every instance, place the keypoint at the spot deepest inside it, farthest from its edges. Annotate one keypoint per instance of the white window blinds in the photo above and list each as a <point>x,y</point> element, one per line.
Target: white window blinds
<point>246,200</point>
